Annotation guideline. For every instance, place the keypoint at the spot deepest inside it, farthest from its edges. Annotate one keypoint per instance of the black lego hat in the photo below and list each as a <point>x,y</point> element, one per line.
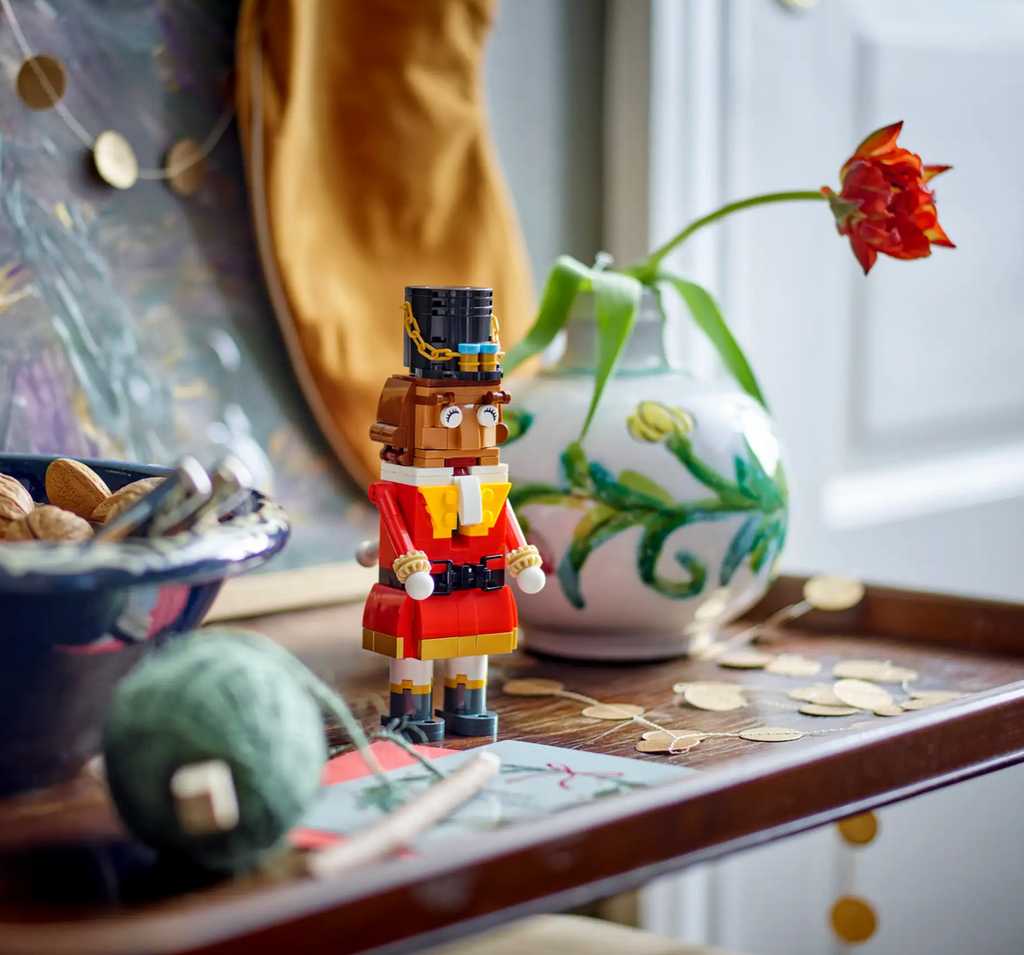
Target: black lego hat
<point>451,333</point>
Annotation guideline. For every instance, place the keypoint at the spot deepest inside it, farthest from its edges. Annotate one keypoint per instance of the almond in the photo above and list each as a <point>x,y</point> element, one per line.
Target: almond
<point>76,487</point>
<point>119,500</point>
<point>49,523</point>
<point>15,502</point>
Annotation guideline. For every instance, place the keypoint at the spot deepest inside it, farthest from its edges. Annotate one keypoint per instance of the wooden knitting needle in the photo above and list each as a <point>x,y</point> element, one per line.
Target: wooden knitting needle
<point>169,502</point>
<point>401,827</point>
<point>232,485</point>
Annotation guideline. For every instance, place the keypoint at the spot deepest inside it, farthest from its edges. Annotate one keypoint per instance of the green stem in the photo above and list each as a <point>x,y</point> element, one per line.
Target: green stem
<point>728,493</point>
<point>650,264</point>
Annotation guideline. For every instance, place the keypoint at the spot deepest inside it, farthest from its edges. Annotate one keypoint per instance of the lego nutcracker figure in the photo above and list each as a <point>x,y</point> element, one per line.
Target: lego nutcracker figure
<point>448,535</point>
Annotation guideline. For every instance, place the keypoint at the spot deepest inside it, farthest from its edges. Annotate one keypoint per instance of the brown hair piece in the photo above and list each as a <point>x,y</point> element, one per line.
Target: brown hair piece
<point>396,417</point>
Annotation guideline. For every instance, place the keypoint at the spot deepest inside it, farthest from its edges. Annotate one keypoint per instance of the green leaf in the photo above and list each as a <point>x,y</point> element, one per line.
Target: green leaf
<point>598,525</point>
<point>621,496</point>
<point>591,522</point>
<point>781,484</point>
<point>616,300</point>
<point>565,280</point>
<point>776,539</point>
<point>681,447</point>
<point>741,545</point>
<point>642,484</point>
<point>537,493</point>
<point>652,543</point>
<point>744,479</point>
<point>755,483</point>
<point>769,544</point>
<point>576,469</point>
<point>708,316</point>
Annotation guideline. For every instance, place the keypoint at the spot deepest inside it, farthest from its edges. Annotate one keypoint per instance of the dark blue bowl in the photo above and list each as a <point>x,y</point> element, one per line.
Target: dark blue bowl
<point>74,618</point>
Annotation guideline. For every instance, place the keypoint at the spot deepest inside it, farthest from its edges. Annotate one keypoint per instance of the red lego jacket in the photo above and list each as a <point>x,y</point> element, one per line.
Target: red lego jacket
<point>472,610</point>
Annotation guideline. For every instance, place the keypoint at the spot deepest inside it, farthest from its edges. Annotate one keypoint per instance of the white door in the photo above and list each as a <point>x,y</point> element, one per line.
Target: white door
<point>899,396</point>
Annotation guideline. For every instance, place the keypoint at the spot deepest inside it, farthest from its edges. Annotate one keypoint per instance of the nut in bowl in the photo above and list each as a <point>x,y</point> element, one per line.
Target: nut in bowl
<point>113,504</point>
<point>75,487</point>
<point>15,502</point>
<point>46,522</point>
<point>79,611</point>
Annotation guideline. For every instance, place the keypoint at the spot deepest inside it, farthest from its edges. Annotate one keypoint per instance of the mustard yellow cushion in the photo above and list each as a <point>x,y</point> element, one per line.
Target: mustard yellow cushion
<point>378,173</point>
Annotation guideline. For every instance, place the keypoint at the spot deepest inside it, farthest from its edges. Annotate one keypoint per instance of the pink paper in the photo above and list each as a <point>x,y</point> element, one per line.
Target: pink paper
<point>352,765</point>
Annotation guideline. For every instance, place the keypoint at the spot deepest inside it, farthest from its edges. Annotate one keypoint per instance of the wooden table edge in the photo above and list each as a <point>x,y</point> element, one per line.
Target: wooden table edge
<point>578,853</point>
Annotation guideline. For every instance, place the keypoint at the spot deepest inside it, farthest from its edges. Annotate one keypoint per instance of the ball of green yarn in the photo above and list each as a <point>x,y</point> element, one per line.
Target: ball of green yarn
<point>215,695</point>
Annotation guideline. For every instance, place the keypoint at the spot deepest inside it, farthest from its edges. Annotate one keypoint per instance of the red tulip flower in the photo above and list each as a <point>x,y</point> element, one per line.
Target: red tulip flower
<point>885,204</point>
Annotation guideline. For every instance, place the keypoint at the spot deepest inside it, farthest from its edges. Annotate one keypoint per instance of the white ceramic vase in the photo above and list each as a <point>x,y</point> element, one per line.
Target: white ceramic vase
<point>665,523</point>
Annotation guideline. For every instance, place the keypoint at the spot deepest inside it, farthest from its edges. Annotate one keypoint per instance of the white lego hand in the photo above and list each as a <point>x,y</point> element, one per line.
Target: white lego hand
<point>531,580</point>
<point>420,585</point>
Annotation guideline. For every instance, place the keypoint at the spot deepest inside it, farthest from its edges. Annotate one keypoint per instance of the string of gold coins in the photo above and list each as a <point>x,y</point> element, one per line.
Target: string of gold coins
<point>41,83</point>
<point>858,687</point>
<point>848,696</point>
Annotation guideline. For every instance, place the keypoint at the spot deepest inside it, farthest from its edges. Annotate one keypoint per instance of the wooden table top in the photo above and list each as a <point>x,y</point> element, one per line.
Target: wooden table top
<point>70,883</point>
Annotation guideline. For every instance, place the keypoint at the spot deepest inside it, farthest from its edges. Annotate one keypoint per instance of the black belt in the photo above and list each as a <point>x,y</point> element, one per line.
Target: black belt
<point>456,577</point>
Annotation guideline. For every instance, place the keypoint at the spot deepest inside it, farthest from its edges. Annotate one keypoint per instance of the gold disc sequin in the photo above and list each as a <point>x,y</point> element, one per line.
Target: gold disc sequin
<point>925,698</point>
<point>667,743</point>
<point>853,920</point>
<point>770,734</point>
<point>714,697</point>
<point>833,593</point>
<point>858,830</point>
<point>793,664</point>
<point>893,709</point>
<point>861,694</point>
<point>41,82</point>
<point>665,734</point>
<point>877,671</point>
<point>744,660</point>
<point>115,160</point>
<point>820,693</point>
<point>613,711</point>
<point>819,709</point>
<point>937,696</point>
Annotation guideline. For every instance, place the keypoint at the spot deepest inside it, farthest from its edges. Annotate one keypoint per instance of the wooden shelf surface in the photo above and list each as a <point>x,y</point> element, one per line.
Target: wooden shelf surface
<point>70,883</point>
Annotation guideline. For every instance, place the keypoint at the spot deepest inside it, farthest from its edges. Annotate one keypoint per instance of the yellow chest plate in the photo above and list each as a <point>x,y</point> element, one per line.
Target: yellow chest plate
<point>443,506</point>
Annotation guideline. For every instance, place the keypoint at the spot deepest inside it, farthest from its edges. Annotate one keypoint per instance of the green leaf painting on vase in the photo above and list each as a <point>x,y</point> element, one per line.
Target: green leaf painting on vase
<point>612,504</point>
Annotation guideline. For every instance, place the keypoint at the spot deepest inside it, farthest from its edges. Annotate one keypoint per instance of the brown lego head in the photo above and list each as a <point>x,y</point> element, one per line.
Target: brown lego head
<point>426,423</point>
<point>447,411</point>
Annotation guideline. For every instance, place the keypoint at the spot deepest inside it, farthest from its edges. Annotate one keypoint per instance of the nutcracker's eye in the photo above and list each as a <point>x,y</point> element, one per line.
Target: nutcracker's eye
<point>451,416</point>
<point>487,415</point>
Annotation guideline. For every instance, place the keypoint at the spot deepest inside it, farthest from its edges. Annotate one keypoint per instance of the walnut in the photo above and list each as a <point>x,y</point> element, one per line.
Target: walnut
<point>124,498</point>
<point>76,487</point>
<point>49,523</point>
<point>15,502</point>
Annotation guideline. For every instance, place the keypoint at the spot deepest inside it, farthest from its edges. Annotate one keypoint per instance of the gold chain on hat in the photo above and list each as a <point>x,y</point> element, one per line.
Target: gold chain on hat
<point>445,354</point>
<point>427,351</point>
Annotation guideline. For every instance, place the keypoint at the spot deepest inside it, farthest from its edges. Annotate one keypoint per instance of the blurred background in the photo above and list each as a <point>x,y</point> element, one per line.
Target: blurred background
<point>898,397</point>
